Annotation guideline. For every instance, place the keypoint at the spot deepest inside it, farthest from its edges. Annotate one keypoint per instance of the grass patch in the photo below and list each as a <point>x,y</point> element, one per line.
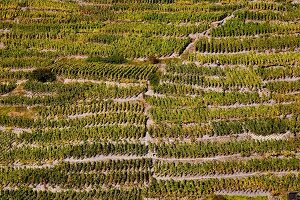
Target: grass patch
<point>114,59</point>
<point>17,111</point>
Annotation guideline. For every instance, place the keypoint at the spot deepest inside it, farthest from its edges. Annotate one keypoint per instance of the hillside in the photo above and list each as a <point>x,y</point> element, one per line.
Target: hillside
<point>149,99</point>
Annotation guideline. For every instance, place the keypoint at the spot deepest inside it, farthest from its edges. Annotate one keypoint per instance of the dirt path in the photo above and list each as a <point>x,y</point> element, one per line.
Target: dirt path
<point>49,188</point>
<point>235,137</point>
<point>4,30</point>
<point>2,46</point>
<point>147,139</point>
<point>46,187</point>
<point>289,79</point>
<point>22,69</point>
<point>121,100</point>
<point>119,84</point>
<point>256,193</point>
<point>150,92</point>
<point>98,158</point>
<point>103,158</point>
<point>16,130</point>
<point>237,105</point>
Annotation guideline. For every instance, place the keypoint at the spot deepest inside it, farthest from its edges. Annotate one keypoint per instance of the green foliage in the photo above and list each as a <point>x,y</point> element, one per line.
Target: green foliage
<point>224,121</point>
<point>7,87</point>
<point>153,60</point>
<point>216,197</point>
<point>192,188</point>
<point>102,71</point>
<point>114,59</point>
<point>236,44</point>
<point>111,194</point>
<point>43,75</point>
<point>211,149</point>
<point>214,167</point>
<point>155,79</point>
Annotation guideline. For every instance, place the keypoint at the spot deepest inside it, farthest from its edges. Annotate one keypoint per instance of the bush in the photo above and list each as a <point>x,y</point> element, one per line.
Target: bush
<point>7,87</point>
<point>43,75</point>
<point>154,79</point>
<point>153,60</point>
<point>216,197</point>
<point>114,59</point>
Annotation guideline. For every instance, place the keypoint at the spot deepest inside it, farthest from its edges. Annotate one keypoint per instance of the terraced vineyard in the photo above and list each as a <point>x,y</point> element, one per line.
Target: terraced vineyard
<point>149,99</point>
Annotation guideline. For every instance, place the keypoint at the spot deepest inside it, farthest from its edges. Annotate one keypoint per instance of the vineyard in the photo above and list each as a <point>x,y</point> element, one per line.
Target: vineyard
<point>149,99</point>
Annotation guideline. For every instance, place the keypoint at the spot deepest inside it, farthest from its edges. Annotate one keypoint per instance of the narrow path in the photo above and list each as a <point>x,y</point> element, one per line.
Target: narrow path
<point>22,69</point>
<point>256,193</point>
<point>99,158</point>
<point>120,84</point>
<point>237,105</point>
<point>136,98</point>
<point>4,30</point>
<point>288,79</point>
<point>59,189</point>
<point>147,139</point>
<point>235,137</point>
<point>2,46</point>
<point>17,130</point>
<point>219,158</point>
<point>103,158</point>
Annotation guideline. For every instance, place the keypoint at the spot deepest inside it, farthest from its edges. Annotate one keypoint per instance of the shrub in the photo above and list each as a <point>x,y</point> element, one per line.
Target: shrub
<point>153,60</point>
<point>216,197</point>
<point>43,75</point>
<point>154,79</point>
<point>7,87</point>
<point>114,59</point>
